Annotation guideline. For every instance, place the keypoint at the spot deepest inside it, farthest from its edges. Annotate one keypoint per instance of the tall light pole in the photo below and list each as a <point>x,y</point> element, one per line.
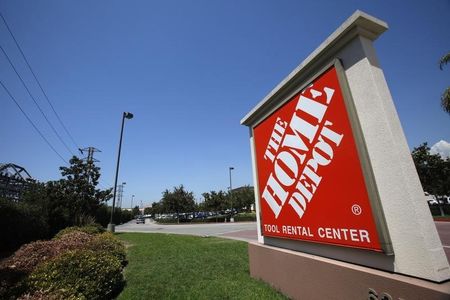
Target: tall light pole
<point>231,195</point>
<point>126,115</point>
<point>132,198</point>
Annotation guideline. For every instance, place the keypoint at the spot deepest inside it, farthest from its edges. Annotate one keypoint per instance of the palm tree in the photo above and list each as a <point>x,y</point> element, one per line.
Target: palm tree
<point>445,98</point>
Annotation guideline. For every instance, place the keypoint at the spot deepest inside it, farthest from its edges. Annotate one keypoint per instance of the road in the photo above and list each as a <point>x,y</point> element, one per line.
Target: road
<point>245,231</point>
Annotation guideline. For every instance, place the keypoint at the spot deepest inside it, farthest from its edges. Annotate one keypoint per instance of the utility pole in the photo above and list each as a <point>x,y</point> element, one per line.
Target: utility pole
<point>90,160</point>
<point>90,154</point>
<point>120,194</point>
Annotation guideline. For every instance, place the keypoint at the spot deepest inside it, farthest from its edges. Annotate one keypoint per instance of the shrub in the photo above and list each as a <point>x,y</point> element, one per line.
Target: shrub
<point>215,219</point>
<point>436,209</point>
<point>107,243</point>
<point>43,295</point>
<point>93,228</point>
<point>74,240</point>
<point>12,283</point>
<point>84,219</point>
<point>90,229</point>
<point>30,255</point>
<point>98,257</point>
<point>80,273</point>
<point>103,215</point>
<point>241,217</point>
<point>120,216</point>
<point>167,221</point>
<point>20,223</point>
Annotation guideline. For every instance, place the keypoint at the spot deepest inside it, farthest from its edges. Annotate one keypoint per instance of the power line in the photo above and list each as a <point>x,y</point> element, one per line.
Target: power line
<point>34,100</point>
<point>38,82</point>
<point>31,122</point>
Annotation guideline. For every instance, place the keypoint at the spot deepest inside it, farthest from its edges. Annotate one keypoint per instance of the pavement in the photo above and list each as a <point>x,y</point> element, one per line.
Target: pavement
<point>443,229</point>
<point>243,231</point>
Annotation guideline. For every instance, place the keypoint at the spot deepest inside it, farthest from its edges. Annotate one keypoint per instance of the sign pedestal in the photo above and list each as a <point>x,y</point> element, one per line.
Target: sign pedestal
<point>305,276</point>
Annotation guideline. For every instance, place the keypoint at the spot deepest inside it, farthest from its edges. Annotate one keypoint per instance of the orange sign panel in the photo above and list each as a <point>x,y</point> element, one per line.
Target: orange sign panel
<point>311,184</point>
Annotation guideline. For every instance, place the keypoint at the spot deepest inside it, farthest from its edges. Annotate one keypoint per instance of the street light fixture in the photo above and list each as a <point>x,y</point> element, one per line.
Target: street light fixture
<point>126,115</point>
<point>132,198</point>
<point>231,195</point>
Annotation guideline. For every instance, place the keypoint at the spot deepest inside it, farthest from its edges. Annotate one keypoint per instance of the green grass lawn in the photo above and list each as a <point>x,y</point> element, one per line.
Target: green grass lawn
<point>162,266</point>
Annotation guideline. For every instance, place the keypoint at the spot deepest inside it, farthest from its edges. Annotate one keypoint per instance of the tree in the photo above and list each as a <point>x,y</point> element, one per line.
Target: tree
<point>215,201</point>
<point>79,188</point>
<point>177,201</point>
<point>433,170</point>
<point>72,200</point>
<point>46,208</point>
<point>136,211</point>
<point>157,208</point>
<point>243,198</point>
<point>445,98</point>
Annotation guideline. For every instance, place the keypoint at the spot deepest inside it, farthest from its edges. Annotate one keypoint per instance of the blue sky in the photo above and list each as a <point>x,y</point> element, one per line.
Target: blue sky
<point>189,71</point>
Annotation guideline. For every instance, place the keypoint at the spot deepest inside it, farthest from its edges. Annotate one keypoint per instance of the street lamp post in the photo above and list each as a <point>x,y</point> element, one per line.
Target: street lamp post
<point>132,198</point>
<point>231,195</point>
<point>127,115</point>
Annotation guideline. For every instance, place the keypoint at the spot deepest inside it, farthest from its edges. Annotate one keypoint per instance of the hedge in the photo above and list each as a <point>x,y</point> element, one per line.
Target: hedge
<point>46,295</point>
<point>20,224</point>
<point>90,229</point>
<point>218,219</point>
<point>15,269</point>
<point>31,258</point>
<point>12,283</point>
<point>30,255</point>
<point>435,210</point>
<point>79,273</point>
<point>242,217</point>
<point>106,243</point>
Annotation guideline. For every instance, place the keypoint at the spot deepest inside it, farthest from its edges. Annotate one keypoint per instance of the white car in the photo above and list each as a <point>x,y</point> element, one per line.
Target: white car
<point>446,199</point>
<point>431,199</point>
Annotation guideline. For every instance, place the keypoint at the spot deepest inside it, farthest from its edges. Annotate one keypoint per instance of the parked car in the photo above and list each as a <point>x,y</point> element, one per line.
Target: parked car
<point>431,199</point>
<point>447,199</point>
<point>140,220</point>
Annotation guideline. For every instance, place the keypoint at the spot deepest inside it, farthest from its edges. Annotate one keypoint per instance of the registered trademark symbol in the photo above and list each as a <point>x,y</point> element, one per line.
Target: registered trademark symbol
<point>356,209</point>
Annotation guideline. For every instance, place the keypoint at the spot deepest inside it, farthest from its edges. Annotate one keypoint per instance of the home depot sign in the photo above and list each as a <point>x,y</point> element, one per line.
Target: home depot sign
<point>311,184</point>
